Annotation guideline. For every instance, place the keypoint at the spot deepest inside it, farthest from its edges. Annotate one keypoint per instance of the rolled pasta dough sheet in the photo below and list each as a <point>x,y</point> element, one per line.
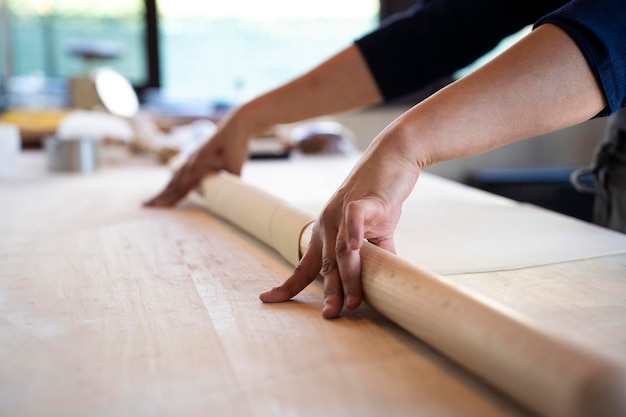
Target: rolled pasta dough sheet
<point>446,227</point>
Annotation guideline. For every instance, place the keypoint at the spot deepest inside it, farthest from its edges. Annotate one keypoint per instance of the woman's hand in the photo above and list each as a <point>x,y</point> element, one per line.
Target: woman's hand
<point>338,84</point>
<point>366,206</point>
<point>541,84</point>
<point>226,150</point>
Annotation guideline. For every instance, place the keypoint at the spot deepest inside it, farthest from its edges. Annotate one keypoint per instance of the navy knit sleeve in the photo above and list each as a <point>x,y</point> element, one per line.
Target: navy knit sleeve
<point>435,38</point>
<point>599,29</point>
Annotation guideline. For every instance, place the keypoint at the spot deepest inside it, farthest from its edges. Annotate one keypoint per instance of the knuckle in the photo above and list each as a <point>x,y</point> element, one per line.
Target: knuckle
<point>341,247</point>
<point>299,268</point>
<point>328,265</point>
<point>351,204</point>
<point>326,216</point>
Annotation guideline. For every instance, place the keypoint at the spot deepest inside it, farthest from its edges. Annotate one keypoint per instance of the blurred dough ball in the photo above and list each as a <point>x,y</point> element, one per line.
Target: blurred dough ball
<point>322,137</point>
<point>320,143</point>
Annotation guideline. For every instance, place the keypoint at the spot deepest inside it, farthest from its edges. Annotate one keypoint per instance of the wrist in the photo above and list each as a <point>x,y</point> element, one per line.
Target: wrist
<point>253,118</point>
<point>400,142</point>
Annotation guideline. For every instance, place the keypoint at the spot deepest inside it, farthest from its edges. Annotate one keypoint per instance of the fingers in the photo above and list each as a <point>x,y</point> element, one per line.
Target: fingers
<point>340,265</point>
<point>349,241</point>
<point>306,271</point>
<point>347,249</point>
<point>176,189</point>
<point>333,289</point>
<point>335,253</point>
<point>186,178</point>
<point>201,162</point>
<point>361,218</point>
<point>319,258</point>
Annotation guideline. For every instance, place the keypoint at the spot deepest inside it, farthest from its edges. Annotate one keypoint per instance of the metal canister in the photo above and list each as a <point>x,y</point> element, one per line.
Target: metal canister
<point>72,155</point>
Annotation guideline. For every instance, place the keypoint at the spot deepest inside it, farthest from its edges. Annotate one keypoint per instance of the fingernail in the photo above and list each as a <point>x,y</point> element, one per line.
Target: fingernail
<point>263,296</point>
<point>352,302</point>
<point>325,310</point>
<point>354,244</point>
<point>349,301</point>
<point>328,311</point>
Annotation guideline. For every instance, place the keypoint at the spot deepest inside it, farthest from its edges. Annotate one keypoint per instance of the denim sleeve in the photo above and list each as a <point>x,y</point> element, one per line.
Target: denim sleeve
<point>435,38</point>
<point>599,29</point>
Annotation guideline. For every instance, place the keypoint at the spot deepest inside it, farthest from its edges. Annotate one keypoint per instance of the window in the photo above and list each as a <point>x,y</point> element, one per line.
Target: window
<point>232,50</point>
<point>47,41</point>
<point>219,52</point>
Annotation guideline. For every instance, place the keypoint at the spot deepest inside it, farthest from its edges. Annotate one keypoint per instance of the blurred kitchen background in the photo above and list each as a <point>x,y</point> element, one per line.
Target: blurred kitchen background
<point>208,53</point>
<point>189,58</point>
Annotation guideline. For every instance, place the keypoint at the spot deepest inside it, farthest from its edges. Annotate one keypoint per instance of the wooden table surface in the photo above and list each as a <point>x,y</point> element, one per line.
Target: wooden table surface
<point>110,309</point>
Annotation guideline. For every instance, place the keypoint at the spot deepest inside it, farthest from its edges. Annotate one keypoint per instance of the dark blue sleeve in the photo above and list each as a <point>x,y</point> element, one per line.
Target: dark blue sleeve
<point>599,29</point>
<point>435,38</point>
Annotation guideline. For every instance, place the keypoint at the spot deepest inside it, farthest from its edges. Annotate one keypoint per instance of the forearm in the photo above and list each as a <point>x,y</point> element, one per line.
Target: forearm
<point>341,83</point>
<point>540,85</point>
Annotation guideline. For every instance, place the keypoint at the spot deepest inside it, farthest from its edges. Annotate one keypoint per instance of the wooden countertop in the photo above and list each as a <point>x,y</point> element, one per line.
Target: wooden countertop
<point>107,308</point>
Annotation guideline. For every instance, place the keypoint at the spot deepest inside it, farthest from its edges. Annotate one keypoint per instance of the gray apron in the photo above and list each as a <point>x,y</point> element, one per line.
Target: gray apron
<point>608,168</point>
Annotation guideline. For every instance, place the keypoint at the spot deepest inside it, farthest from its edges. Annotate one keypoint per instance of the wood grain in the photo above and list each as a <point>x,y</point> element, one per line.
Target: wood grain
<point>546,374</point>
<point>110,309</point>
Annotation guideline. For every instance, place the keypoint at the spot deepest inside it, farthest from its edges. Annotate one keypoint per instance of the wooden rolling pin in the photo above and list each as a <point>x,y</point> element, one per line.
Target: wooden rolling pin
<point>547,375</point>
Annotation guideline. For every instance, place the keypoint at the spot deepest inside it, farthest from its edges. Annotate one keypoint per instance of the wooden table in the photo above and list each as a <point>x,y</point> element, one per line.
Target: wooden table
<point>110,309</point>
